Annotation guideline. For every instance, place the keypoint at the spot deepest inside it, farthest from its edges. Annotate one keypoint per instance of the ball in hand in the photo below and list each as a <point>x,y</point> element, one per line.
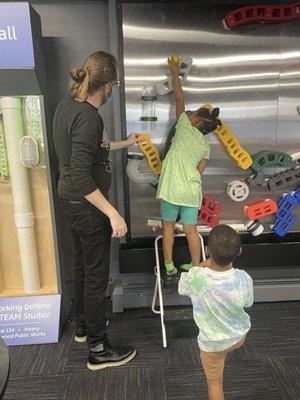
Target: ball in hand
<point>175,58</point>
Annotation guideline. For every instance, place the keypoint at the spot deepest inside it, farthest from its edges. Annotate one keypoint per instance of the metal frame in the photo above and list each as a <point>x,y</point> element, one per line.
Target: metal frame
<point>119,109</point>
<point>209,2</point>
<point>158,286</point>
<point>51,190</point>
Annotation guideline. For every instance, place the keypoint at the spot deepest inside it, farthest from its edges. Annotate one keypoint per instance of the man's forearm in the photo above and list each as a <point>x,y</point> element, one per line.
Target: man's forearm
<point>99,201</point>
<point>122,144</point>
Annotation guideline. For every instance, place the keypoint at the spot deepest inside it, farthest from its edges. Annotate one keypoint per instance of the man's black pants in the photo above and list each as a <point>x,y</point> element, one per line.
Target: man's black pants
<point>91,233</point>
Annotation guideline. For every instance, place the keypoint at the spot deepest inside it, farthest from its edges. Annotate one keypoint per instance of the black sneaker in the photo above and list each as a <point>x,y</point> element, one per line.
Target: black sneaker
<point>109,356</point>
<point>81,332</point>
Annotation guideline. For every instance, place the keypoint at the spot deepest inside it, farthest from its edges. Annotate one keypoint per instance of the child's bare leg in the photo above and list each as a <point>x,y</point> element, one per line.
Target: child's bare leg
<point>213,365</point>
<point>215,389</point>
<point>168,240</point>
<point>168,243</point>
<point>192,236</point>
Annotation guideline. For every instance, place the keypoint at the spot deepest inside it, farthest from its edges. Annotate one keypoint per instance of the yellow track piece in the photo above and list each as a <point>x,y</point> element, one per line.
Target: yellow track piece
<point>233,147</point>
<point>151,153</point>
<point>231,144</point>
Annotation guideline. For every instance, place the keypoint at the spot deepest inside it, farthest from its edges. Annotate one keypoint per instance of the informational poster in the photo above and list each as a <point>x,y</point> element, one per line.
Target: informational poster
<point>29,320</point>
<point>16,46</point>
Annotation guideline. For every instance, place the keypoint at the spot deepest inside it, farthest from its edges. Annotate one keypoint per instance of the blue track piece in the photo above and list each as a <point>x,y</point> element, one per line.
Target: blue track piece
<point>285,216</point>
<point>284,223</point>
<point>297,194</point>
<point>285,220</point>
<point>288,203</point>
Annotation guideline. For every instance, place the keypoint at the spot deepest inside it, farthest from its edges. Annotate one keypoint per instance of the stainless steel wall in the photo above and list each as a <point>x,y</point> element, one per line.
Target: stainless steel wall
<point>288,124</point>
<point>251,73</point>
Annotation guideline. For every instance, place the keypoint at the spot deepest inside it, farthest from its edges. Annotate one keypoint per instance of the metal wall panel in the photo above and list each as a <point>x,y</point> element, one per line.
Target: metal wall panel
<point>288,127</point>
<point>236,70</point>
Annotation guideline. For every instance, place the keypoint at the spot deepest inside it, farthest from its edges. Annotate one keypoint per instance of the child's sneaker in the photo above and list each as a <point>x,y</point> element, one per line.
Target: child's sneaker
<point>170,268</point>
<point>186,267</point>
<point>171,281</point>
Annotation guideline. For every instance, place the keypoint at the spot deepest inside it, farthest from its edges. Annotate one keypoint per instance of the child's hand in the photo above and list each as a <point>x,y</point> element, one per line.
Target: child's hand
<point>174,67</point>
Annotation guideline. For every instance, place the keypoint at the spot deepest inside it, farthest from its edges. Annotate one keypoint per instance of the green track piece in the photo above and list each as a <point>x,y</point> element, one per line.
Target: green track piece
<point>4,170</point>
<point>34,125</point>
<point>270,158</point>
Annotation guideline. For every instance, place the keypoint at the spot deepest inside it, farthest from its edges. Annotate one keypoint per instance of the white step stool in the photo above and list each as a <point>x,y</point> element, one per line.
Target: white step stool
<point>158,287</point>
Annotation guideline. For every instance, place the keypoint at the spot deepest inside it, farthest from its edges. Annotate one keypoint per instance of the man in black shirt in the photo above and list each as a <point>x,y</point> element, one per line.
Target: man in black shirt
<point>83,150</point>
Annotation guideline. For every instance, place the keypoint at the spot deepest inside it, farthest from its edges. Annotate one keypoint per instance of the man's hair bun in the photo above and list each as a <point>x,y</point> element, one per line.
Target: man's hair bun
<point>77,74</point>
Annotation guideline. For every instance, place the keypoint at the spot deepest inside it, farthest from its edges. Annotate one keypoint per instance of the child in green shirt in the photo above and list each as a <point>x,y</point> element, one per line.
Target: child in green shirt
<point>180,184</point>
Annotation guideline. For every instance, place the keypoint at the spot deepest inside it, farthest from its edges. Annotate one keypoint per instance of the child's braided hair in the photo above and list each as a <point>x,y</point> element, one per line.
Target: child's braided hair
<point>210,119</point>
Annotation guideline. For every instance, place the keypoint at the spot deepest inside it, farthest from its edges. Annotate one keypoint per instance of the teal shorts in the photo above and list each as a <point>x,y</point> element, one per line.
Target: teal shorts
<point>170,212</point>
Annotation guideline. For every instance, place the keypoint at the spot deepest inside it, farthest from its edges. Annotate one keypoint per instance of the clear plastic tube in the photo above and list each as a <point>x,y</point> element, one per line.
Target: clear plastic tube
<point>148,109</point>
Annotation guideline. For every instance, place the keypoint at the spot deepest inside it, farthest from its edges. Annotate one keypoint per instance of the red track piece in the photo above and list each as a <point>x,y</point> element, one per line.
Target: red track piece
<point>262,13</point>
<point>209,211</point>
<point>208,219</point>
<point>260,209</point>
<point>212,205</point>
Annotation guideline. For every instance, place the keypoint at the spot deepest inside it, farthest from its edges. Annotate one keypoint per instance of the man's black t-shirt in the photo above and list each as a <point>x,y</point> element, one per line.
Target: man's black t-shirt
<point>82,149</point>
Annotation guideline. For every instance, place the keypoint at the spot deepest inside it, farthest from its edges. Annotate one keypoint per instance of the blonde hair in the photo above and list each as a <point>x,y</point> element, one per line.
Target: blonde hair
<point>99,69</point>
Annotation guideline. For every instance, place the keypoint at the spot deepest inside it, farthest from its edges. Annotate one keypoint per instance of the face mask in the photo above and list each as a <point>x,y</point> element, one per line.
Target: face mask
<point>109,99</point>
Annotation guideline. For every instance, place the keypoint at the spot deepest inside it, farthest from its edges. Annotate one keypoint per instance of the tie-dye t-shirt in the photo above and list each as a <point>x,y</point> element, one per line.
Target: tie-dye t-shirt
<point>218,300</point>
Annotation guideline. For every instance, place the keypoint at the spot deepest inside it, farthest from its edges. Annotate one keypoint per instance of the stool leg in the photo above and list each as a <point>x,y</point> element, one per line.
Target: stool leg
<point>158,287</point>
<point>155,294</point>
<point>202,247</point>
<point>161,307</point>
<point>160,297</point>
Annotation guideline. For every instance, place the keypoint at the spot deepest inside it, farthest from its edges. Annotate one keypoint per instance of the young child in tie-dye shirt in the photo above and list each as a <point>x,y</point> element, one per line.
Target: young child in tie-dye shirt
<point>219,294</point>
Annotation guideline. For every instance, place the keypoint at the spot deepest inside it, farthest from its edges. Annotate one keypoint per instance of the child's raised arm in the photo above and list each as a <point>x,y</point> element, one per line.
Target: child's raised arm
<point>178,92</point>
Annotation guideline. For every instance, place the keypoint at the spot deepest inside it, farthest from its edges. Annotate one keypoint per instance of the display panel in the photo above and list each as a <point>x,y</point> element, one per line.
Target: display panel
<point>27,255</point>
<point>248,72</point>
